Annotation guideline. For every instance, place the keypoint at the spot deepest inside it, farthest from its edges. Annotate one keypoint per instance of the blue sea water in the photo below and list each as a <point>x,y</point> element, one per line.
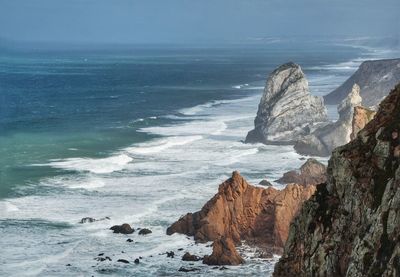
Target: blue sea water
<point>140,135</point>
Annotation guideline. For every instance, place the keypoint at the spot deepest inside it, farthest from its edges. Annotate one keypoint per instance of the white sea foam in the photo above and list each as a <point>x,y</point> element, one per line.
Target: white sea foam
<point>104,165</point>
<point>162,144</point>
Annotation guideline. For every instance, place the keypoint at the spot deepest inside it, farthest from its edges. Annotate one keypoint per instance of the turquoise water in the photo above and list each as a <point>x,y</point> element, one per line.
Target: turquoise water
<point>138,135</point>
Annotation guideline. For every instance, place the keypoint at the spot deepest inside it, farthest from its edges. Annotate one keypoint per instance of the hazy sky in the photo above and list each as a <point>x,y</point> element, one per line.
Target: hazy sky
<point>149,21</point>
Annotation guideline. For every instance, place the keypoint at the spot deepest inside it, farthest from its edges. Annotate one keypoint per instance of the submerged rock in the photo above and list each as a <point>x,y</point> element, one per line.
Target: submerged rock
<point>241,211</point>
<point>312,172</point>
<point>375,78</point>
<point>145,231</point>
<point>123,261</point>
<point>350,227</point>
<point>122,229</point>
<point>224,253</point>
<point>183,269</point>
<point>324,139</point>
<point>286,107</point>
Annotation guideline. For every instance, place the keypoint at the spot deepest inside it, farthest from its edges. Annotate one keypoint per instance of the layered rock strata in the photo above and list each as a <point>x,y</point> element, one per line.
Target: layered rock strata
<point>286,107</point>
<point>376,79</point>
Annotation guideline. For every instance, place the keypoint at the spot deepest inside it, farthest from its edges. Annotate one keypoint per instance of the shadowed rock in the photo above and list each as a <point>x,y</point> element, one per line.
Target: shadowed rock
<point>122,229</point>
<point>312,172</point>
<point>350,227</point>
<point>224,253</point>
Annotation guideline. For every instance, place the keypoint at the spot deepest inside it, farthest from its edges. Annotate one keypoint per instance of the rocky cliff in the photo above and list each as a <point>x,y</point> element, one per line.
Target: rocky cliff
<point>350,227</point>
<point>375,78</point>
<point>241,211</point>
<point>361,117</point>
<point>286,107</point>
<point>323,140</point>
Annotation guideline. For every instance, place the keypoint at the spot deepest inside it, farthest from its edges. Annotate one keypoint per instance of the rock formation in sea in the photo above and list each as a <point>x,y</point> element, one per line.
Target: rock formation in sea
<point>324,139</point>
<point>224,253</point>
<point>351,226</point>
<point>240,211</point>
<point>286,107</point>
<point>312,172</point>
<point>376,79</point>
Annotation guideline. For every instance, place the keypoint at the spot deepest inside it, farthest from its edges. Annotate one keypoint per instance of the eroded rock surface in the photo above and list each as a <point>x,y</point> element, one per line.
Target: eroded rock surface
<point>224,253</point>
<point>241,211</point>
<point>350,227</point>
<point>312,172</point>
<point>286,107</point>
<point>323,140</point>
<point>361,117</point>
<point>376,79</point>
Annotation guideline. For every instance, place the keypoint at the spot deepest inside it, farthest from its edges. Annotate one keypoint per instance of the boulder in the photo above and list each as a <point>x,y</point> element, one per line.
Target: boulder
<point>224,253</point>
<point>190,258</point>
<point>375,78</point>
<point>312,172</point>
<point>286,107</point>
<point>241,211</point>
<point>122,229</point>
<point>350,227</point>
<point>145,231</point>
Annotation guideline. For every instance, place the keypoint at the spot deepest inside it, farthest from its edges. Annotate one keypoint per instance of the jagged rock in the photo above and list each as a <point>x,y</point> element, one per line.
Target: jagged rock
<point>170,254</point>
<point>286,107</point>
<point>145,231</point>
<point>376,79</point>
<point>361,117</point>
<point>244,212</point>
<point>190,258</point>
<point>224,253</point>
<point>323,140</point>
<point>350,227</point>
<point>122,229</point>
<point>312,172</point>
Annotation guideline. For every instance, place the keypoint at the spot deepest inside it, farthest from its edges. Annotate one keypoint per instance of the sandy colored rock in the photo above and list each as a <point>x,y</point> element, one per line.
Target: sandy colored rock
<point>361,117</point>
<point>350,227</point>
<point>241,211</point>
<point>224,253</point>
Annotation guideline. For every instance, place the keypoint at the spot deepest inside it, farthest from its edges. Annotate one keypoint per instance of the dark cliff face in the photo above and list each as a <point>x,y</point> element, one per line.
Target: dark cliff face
<point>375,78</point>
<point>351,226</point>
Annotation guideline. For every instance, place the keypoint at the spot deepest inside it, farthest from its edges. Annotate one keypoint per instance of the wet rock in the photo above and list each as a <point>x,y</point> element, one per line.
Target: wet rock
<point>312,172</point>
<point>170,254</point>
<point>68,265</point>
<point>102,259</point>
<point>123,261</point>
<point>137,261</point>
<point>101,254</point>
<point>145,231</point>
<point>265,183</point>
<point>180,249</point>
<point>129,240</point>
<point>240,211</point>
<point>223,268</point>
<point>182,269</point>
<point>286,107</point>
<point>224,253</point>
<point>350,227</point>
<point>122,229</point>
<point>189,257</point>
<point>87,220</point>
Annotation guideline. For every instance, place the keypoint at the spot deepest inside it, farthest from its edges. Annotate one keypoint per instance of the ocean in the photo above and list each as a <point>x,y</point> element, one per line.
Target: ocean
<point>139,135</point>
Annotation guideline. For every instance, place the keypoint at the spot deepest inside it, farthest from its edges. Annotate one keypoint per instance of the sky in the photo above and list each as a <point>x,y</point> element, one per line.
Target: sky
<point>193,21</point>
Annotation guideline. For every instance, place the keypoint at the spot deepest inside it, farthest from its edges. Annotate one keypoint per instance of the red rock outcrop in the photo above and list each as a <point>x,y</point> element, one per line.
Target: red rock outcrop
<point>312,172</point>
<point>361,117</point>
<point>241,211</point>
<point>351,226</point>
<point>224,253</point>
